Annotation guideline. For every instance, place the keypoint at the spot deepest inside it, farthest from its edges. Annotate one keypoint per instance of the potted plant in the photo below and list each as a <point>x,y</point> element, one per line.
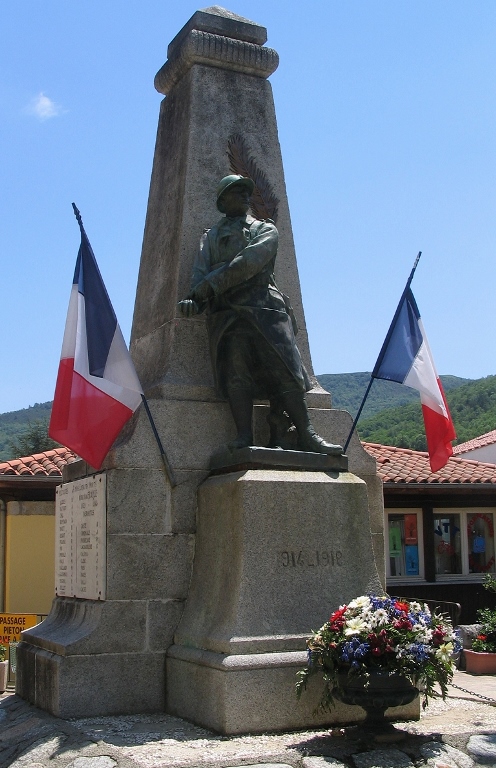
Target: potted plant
<point>4,668</point>
<point>377,651</point>
<point>481,658</point>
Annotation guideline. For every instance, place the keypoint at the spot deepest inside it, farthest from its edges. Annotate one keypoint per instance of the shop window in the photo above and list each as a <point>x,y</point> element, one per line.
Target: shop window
<point>404,545</point>
<point>464,542</point>
<point>480,540</point>
<point>447,544</point>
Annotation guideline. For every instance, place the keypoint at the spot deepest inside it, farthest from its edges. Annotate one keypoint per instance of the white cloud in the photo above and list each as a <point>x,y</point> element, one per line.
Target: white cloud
<point>43,108</point>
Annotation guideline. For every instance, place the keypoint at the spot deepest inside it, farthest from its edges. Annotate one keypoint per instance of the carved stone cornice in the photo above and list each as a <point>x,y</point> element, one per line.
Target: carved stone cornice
<point>200,47</point>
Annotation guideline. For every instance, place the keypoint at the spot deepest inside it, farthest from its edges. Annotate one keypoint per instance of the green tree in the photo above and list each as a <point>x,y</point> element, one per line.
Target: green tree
<point>34,439</point>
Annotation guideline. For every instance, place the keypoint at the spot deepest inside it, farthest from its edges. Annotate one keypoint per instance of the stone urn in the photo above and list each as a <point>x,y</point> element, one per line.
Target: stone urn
<point>375,693</point>
<point>480,663</point>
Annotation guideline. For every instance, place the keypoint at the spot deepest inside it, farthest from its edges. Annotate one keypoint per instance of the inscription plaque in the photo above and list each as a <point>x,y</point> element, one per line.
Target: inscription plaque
<point>310,558</point>
<point>80,538</point>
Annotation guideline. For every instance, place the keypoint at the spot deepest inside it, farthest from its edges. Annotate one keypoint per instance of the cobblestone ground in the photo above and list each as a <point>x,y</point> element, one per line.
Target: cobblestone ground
<point>457,733</point>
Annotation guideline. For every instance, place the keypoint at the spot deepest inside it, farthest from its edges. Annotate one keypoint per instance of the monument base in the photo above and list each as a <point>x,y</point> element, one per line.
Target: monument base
<point>276,552</point>
<point>83,660</point>
<point>253,693</point>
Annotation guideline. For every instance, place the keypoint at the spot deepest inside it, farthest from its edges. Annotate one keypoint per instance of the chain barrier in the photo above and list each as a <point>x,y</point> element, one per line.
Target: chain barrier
<point>486,699</point>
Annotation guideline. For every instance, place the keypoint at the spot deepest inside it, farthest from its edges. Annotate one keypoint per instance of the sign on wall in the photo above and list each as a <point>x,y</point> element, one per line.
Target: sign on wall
<point>12,624</point>
<point>80,538</point>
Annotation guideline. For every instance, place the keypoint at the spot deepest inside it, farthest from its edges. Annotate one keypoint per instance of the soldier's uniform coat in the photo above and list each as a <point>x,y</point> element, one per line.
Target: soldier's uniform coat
<point>237,258</point>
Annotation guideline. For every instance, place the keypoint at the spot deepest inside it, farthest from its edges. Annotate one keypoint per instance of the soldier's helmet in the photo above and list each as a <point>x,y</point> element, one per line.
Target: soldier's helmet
<point>230,181</point>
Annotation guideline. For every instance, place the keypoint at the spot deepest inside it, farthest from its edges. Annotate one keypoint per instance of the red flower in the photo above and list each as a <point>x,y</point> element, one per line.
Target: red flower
<point>336,621</point>
<point>481,637</point>
<point>403,623</point>
<point>401,606</point>
<point>438,636</point>
<point>389,649</point>
<point>338,614</point>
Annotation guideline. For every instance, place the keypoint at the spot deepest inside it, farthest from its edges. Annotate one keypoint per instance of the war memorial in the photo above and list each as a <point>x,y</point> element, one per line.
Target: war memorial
<point>194,593</point>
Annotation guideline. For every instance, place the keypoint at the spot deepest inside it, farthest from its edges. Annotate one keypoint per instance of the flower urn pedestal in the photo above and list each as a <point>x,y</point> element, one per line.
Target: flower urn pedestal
<point>478,663</point>
<point>375,693</point>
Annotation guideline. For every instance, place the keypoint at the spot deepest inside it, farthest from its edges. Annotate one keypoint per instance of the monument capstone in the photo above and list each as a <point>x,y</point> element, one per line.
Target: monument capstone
<point>211,586</point>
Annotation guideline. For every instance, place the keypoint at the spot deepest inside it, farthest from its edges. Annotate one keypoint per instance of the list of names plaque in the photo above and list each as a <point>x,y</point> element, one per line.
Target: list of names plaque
<point>80,543</point>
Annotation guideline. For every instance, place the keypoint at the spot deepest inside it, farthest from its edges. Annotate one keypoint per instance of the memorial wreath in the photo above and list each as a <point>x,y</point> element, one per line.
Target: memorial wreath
<point>381,635</point>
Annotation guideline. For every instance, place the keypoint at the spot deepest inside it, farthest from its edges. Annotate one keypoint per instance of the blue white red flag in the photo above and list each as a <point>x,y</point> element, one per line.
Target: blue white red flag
<point>406,357</point>
<point>97,388</point>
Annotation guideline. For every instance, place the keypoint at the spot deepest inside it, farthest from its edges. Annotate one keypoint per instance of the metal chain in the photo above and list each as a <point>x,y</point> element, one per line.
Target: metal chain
<point>473,693</point>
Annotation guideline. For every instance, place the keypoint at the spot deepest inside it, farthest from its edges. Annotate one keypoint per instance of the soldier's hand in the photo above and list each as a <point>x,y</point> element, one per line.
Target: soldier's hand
<point>202,292</point>
<point>188,307</point>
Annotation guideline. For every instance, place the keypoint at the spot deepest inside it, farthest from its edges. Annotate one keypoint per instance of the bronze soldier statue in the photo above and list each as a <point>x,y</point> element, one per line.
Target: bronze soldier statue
<point>250,323</point>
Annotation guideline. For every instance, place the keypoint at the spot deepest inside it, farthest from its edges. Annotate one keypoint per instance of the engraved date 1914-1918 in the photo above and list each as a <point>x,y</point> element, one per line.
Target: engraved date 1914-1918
<point>309,558</point>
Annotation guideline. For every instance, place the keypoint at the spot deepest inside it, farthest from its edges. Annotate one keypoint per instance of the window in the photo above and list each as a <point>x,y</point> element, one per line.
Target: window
<point>447,543</point>
<point>404,551</point>
<point>462,545</point>
<point>464,541</point>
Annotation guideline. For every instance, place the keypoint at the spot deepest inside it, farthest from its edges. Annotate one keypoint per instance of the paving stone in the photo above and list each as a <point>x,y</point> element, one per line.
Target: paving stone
<point>382,758</point>
<point>42,750</point>
<point>21,729</point>
<point>103,761</point>
<point>483,748</point>
<point>440,755</point>
<point>257,765</point>
<point>7,754</point>
<point>161,741</point>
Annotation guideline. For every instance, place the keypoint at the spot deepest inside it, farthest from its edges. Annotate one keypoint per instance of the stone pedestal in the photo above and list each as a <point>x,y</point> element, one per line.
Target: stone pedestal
<point>276,551</point>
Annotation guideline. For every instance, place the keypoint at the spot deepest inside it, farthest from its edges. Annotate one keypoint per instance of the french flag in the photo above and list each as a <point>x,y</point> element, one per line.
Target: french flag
<point>97,389</point>
<point>406,357</point>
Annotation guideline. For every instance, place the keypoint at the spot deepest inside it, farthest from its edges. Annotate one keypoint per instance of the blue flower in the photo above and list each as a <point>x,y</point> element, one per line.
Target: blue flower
<point>419,651</point>
<point>362,650</point>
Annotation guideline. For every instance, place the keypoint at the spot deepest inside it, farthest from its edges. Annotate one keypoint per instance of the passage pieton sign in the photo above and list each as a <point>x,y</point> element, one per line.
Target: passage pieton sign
<point>12,624</point>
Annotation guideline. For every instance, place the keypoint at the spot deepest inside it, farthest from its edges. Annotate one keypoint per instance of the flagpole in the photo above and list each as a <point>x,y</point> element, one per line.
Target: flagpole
<point>355,422</point>
<point>77,214</point>
<point>168,469</point>
<point>383,349</point>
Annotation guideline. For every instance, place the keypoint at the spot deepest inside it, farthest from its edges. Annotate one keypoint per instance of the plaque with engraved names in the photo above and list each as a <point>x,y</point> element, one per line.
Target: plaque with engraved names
<point>80,538</point>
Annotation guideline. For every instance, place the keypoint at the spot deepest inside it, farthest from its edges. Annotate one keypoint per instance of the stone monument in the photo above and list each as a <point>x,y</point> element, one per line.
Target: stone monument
<point>212,584</point>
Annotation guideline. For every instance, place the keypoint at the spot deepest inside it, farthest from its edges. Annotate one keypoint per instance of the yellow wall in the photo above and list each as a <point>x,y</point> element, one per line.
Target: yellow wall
<point>29,557</point>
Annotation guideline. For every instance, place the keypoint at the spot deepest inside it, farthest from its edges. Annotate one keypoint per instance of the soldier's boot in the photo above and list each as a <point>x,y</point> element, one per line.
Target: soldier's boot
<point>241,404</point>
<point>296,408</point>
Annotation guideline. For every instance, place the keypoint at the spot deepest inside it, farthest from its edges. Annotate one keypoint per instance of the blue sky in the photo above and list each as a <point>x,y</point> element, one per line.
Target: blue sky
<point>386,112</point>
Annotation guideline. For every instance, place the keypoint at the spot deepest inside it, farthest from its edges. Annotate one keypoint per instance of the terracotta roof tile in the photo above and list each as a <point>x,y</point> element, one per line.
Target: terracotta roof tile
<point>48,463</point>
<point>478,442</point>
<point>402,465</point>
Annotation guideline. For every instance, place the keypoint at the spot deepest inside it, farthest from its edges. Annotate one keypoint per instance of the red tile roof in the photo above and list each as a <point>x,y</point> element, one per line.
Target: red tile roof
<point>394,465</point>
<point>478,442</point>
<point>401,465</point>
<point>48,463</point>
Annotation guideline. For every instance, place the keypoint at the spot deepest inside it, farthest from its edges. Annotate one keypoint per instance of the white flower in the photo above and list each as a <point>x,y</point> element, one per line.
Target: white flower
<point>355,626</point>
<point>415,607</point>
<point>444,652</point>
<point>363,603</point>
<point>379,617</point>
<point>424,635</point>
